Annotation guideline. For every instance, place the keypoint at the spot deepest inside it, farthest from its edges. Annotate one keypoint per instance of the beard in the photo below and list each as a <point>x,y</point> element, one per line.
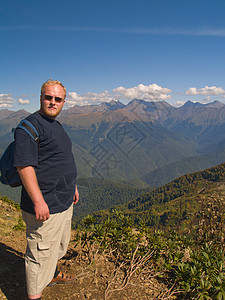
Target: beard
<point>50,111</point>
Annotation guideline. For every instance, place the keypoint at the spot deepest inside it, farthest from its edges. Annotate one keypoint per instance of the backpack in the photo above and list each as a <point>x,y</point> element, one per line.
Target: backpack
<point>9,174</point>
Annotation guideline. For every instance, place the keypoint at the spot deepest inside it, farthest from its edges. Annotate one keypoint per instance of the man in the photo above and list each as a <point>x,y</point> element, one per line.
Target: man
<point>48,172</point>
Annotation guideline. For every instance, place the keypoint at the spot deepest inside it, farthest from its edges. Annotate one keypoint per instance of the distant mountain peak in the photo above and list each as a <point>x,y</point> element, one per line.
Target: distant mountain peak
<point>136,101</point>
<point>189,103</point>
<point>149,105</point>
<point>112,105</point>
<point>4,113</point>
<point>114,101</point>
<point>216,104</point>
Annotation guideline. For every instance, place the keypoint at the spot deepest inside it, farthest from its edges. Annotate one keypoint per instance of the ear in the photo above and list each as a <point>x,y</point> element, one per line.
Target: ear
<point>41,100</point>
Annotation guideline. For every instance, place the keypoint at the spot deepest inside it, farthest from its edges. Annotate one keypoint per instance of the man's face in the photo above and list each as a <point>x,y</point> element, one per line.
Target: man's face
<point>52,101</point>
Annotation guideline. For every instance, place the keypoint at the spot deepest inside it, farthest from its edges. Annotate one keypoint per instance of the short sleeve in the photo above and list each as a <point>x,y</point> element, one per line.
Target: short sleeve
<point>26,150</point>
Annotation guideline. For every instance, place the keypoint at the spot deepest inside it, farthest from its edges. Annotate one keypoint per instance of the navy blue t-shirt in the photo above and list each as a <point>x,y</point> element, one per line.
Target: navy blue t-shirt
<point>52,160</point>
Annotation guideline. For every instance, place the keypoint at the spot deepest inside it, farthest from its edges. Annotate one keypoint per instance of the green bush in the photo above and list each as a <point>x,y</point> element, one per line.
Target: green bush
<point>192,263</point>
<point>20,225</point>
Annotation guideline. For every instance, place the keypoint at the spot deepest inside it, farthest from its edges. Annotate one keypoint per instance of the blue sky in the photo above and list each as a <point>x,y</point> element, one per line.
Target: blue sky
<point>171,50</point>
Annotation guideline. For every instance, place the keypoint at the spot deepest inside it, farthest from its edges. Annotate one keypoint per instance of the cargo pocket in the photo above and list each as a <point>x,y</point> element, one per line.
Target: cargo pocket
<point>44,250</point>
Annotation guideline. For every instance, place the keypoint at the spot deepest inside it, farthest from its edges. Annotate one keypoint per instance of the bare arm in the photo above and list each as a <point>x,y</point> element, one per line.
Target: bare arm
<point>76,196</point>
<point>29,180</point>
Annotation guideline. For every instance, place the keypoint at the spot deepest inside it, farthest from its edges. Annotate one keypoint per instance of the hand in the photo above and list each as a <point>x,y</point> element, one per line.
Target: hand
<point>76,196</point>
<point>41,211</point>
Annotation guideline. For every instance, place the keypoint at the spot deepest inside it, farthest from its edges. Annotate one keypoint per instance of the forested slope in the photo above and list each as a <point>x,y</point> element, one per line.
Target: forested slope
<point>176,203</point>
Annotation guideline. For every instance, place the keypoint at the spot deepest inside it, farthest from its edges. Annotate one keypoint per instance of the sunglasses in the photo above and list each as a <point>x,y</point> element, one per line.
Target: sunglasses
<point>57,99</point>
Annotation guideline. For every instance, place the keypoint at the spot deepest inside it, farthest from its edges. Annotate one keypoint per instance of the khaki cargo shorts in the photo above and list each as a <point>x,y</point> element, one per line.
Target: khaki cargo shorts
<point>47,242</point>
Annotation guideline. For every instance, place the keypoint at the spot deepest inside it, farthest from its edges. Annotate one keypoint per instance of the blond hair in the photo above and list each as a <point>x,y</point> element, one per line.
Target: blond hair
<point>52,82</point>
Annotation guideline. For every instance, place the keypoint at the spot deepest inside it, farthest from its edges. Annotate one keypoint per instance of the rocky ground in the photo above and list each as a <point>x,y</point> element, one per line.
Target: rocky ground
<point>95,280</point>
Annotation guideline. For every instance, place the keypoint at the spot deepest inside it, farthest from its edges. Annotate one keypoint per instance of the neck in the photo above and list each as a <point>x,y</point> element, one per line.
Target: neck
<point>44,115</point>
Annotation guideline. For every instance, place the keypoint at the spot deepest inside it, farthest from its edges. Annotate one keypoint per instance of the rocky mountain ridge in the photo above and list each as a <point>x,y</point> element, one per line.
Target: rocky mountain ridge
<point>140,139</point>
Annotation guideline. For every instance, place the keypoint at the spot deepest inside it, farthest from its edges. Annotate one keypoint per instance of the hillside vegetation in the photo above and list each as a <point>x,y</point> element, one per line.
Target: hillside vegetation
<point>174,233</point>
<point>175,204</point>
<point>97,194</point>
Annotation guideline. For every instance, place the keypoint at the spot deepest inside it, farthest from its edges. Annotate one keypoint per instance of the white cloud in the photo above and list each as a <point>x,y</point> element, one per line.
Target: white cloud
<point>6,100</point>
<point>146,92</point>
<point>21,101</point>
<point>103,96</point>
<point>201,31</point>
<point>89,98</point>
<point>207,99</point>
<point>180,103</point>
<point>152,92</point>
<point>206,91</point>
<point>75,99</point>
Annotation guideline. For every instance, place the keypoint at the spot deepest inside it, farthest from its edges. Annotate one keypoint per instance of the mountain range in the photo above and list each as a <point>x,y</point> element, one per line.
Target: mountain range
<point>147,142</point>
